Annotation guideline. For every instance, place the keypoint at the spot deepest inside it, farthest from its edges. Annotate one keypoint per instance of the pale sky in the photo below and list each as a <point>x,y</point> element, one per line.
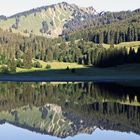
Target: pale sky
<point>10,7</point>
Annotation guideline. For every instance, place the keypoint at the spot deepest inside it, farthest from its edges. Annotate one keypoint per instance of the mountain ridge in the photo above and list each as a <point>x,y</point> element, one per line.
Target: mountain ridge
<point>48,20</point>
<point>60,19</point>
<point>47,6</point>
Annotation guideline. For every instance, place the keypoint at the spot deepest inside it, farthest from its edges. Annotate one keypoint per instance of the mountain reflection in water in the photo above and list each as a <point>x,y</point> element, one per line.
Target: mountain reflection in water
<point>69,109</point>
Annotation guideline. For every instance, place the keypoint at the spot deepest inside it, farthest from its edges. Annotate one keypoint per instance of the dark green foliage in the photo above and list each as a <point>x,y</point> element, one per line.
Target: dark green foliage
<point>44,27</point>
<point>114,56</point>
<point>52,23</point>
<point>37,64</point>
<point>15,26</point>
<point>3,59</point>
<point>27,59</point>
<point>19,63</point>
<point>67,68</point>
<point>4,69</point>
<point>48,66</point>
<point>82,51</point>
<point>102,19</point>
<point>12,65</point>
<point>49,55</point>
<point>114,33</point>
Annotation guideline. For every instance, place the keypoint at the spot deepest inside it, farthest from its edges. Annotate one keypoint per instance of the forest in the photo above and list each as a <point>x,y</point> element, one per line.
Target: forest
<point>83,46</point>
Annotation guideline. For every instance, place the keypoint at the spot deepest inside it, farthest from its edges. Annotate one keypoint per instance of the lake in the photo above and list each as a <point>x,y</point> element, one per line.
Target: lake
<point>69,111</point>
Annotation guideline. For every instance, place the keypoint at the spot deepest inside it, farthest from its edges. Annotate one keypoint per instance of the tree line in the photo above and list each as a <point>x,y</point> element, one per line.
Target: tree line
<point>116,56</point>
<point>18,51</point>
<point>115,33</point>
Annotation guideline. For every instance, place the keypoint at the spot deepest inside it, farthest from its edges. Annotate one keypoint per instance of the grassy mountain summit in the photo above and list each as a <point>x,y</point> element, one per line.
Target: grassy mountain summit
<point>48,21</point>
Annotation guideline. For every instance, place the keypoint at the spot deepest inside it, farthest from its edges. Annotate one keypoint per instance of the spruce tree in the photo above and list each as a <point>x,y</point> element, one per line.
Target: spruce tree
<point>12,65</point>
<point>27,59</point>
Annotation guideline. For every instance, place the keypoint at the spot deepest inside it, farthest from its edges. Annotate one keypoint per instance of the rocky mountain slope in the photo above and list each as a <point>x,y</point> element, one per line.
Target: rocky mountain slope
<point>49,21</point>
<point>61,19</point>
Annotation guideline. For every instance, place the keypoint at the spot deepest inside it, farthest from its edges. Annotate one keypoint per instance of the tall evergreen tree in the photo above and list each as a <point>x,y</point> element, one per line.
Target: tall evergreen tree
<point>12,65</point>
<point>27,59</point>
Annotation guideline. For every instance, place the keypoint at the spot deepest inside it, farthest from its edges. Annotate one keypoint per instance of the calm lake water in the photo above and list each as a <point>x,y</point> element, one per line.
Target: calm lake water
<point>72,111</point>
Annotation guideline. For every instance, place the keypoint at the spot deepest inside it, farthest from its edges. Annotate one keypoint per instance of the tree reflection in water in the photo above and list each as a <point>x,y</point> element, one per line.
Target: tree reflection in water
<point>66,109</point>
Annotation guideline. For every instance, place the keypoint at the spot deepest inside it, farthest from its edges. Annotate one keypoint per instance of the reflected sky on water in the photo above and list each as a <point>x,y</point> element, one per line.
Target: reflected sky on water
<point>8,131</point>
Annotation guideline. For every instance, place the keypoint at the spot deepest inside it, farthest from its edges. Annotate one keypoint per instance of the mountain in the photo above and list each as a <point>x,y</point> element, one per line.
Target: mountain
<point>61,19</point>
<point>49,21</point>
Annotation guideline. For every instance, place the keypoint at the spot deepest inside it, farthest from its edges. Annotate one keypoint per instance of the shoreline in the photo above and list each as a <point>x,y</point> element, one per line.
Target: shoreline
<point>15,78</point>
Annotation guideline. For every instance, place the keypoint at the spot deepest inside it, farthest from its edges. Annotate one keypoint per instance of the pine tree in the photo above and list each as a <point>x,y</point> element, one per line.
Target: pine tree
<point>27,59</point>
<point>49,55</point>
<point>12,65</point>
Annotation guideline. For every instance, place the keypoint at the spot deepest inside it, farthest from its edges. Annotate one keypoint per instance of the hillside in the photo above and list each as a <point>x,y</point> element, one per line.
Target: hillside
<point>85,37</point>
<point>61,19</point>
<point>48,21</point>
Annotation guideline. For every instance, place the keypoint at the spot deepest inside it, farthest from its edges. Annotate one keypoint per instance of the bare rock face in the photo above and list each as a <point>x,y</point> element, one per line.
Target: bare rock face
<point>89,10</point>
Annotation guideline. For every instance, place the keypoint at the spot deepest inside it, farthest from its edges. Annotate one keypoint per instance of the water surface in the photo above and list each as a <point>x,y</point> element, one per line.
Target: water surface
<point>71,111</point>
